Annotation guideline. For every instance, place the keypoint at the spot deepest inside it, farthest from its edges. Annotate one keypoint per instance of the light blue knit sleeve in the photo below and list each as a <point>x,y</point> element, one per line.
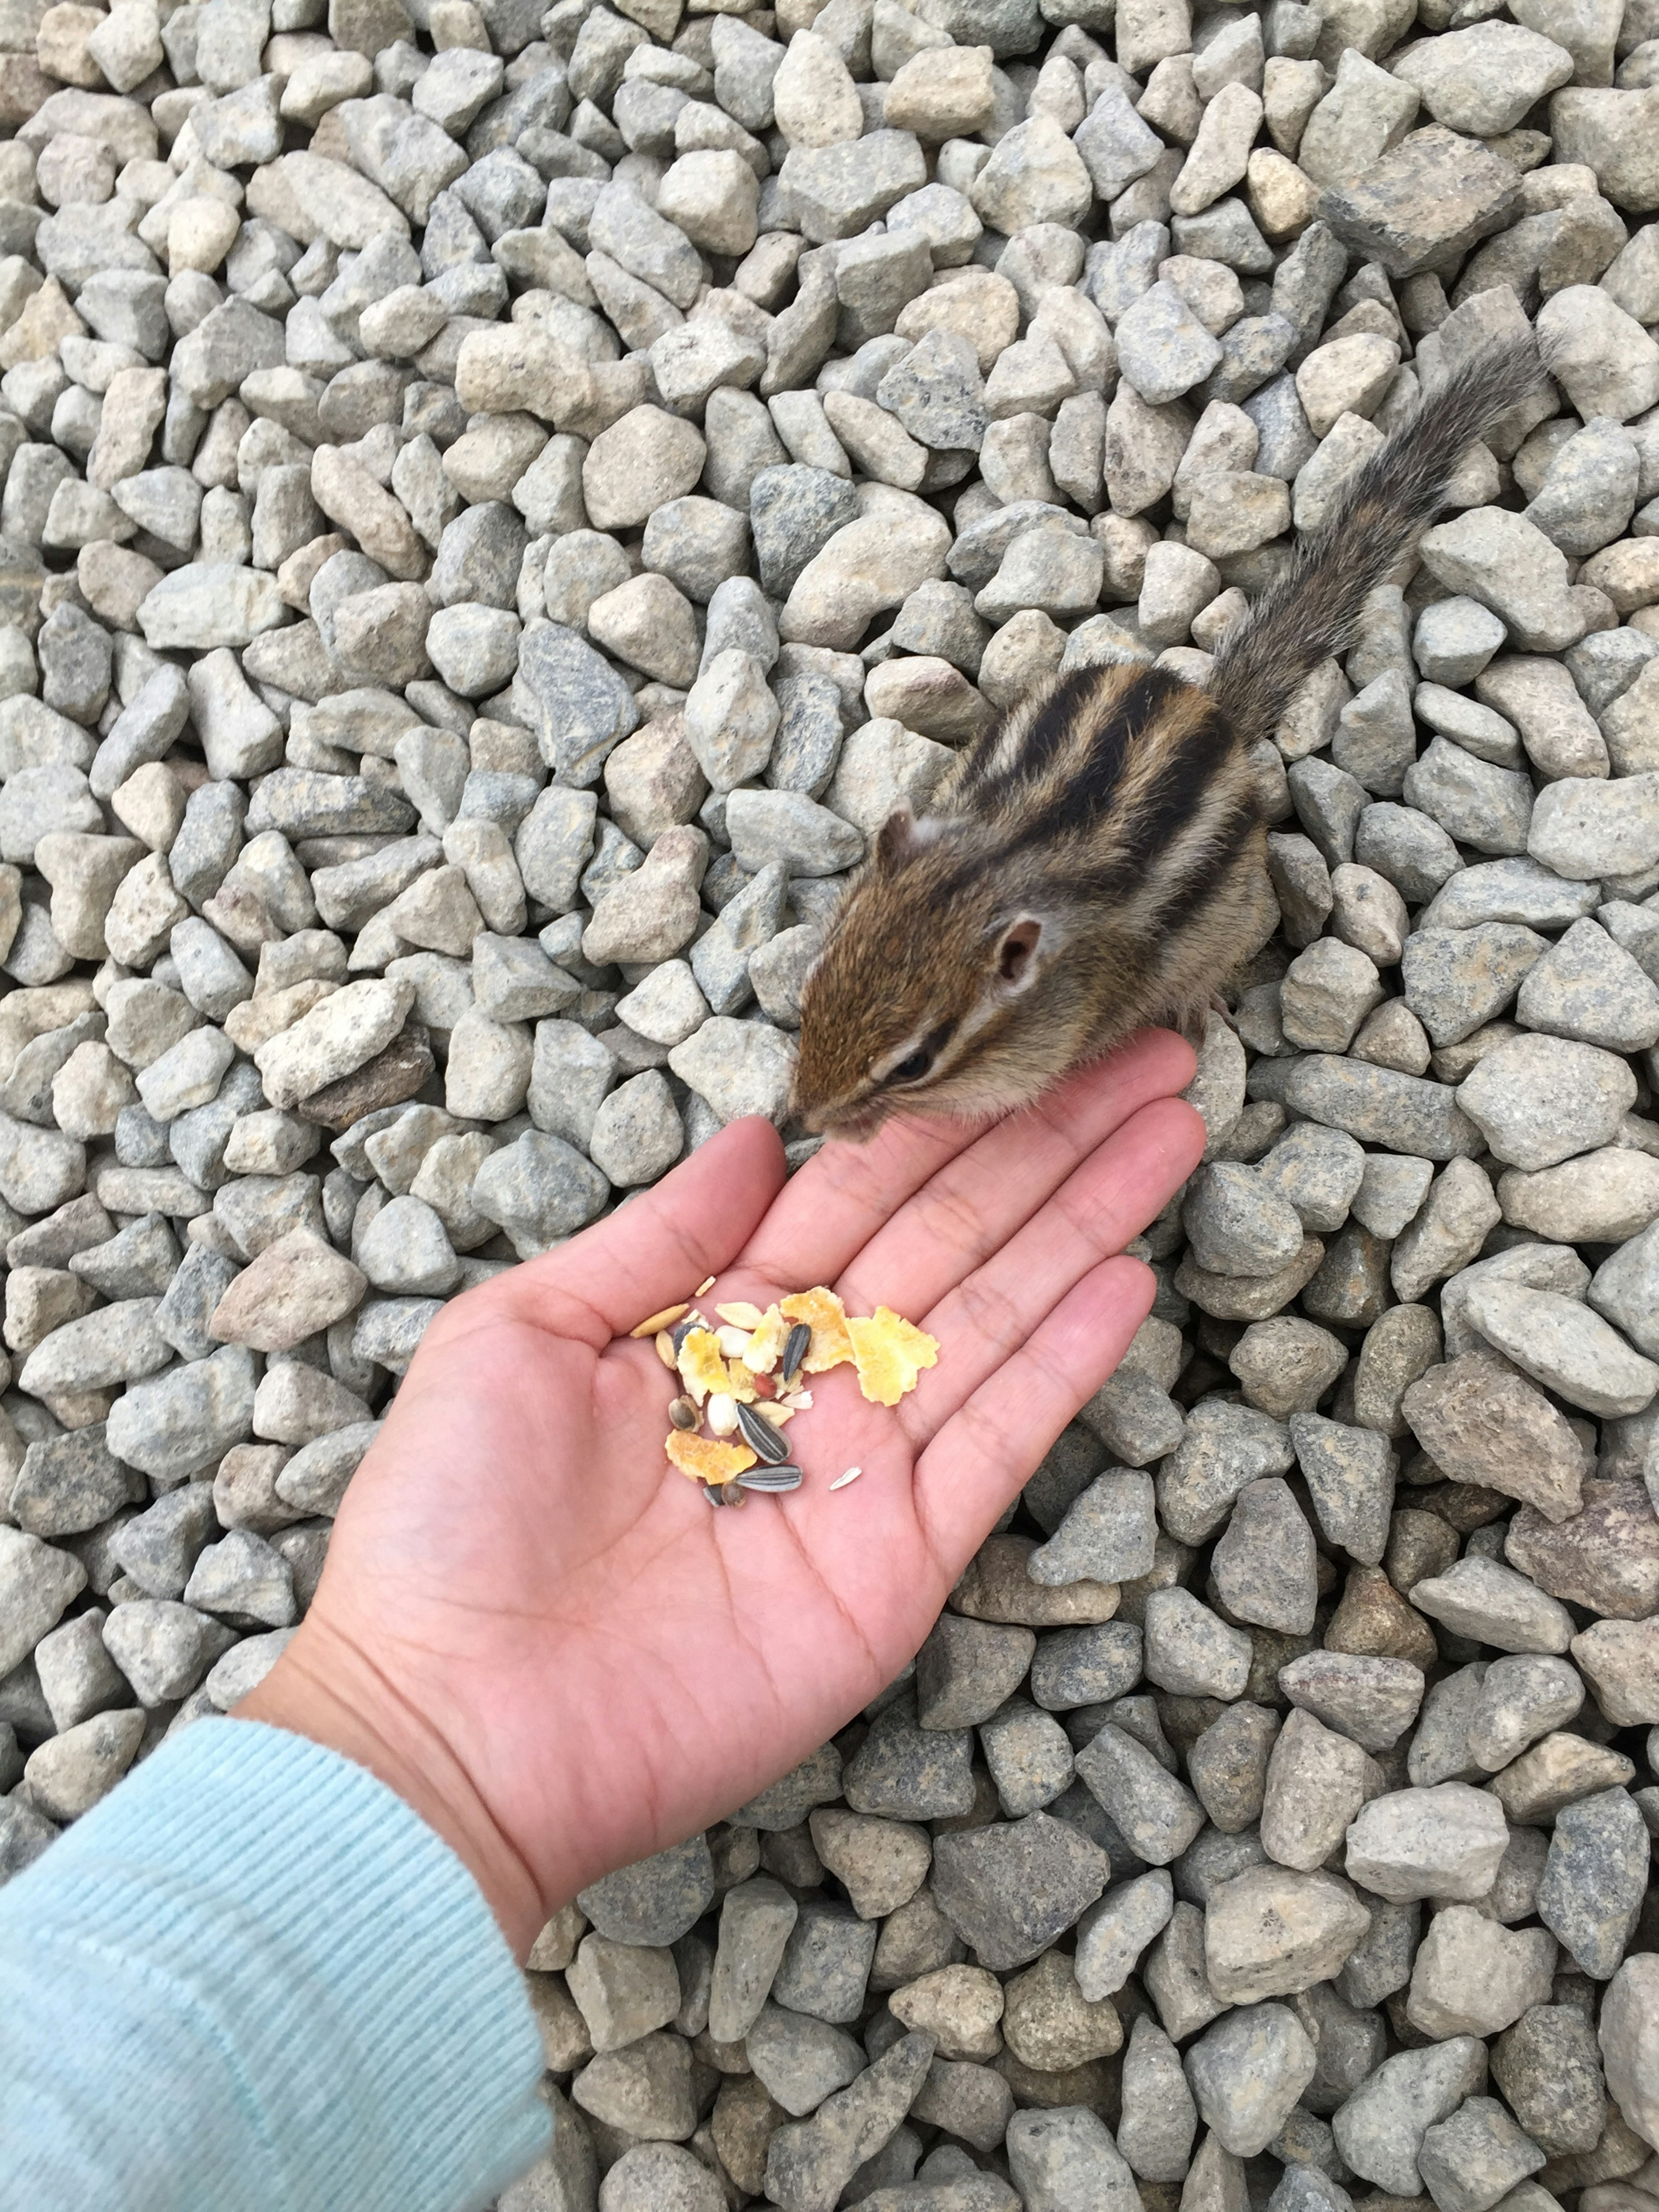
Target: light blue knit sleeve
<point>253,1980</point>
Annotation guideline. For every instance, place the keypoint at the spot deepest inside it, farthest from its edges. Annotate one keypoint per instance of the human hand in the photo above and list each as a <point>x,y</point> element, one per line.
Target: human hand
<point>534,1629</point>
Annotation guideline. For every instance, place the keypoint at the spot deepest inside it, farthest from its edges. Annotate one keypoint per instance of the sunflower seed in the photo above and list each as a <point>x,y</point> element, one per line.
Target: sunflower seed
<point>760,1436</point>
<point>682,1330</point>
<point>683,1413</point>
<point>713,1494</point>
<point>771,1478</point>
<point>794,1351</point>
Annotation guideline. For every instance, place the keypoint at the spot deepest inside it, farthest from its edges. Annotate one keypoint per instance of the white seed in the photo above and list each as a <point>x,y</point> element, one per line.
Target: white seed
<point>722,1413</point>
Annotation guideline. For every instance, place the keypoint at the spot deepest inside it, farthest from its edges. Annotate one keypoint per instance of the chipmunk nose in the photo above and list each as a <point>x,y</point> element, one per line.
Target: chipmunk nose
<point>828,1117</point>
<point>852,1124</point>
<point>804,1109</point>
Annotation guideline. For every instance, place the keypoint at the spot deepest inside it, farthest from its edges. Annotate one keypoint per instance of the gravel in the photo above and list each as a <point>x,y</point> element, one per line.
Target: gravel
<point>496,511</point>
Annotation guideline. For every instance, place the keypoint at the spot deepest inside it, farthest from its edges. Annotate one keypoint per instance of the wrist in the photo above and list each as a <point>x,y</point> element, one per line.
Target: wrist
<point>323,1689</point>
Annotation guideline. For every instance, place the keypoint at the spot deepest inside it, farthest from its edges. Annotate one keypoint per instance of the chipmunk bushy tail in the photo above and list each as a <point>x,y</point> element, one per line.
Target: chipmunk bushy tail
<point>1313,610</point>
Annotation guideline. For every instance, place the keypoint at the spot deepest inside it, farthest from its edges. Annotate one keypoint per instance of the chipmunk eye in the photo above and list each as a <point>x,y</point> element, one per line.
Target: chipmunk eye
<point>916,1064</point>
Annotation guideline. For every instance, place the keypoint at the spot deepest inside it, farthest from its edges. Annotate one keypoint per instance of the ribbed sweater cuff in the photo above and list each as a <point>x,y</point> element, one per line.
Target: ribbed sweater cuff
<point>336,2006</point>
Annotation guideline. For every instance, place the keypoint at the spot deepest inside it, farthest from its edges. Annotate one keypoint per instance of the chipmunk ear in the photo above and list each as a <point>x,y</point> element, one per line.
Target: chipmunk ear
<point>897,836</point>
<point>1020,951</point>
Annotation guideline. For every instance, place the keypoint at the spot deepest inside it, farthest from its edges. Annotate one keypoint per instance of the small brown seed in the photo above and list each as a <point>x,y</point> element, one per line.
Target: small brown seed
<point>683,1414</point>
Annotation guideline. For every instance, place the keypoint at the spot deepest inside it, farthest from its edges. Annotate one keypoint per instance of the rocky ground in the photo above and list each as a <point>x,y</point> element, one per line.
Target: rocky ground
<point>497,507</point>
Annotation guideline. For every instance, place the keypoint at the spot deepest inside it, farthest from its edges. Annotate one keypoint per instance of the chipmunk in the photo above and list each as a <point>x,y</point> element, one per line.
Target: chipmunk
<point>1096,861</point>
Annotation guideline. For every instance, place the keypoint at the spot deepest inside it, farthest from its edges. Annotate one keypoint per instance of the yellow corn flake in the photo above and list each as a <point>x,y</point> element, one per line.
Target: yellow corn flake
<point>891,1353</point>
<point>740,1314</point>
<point>771,1333</point>
<point>704,1460</point>
<point>740,1381</point>
<point>702,1369</point>
<point>658,1322</point>
<point>825,1315</point>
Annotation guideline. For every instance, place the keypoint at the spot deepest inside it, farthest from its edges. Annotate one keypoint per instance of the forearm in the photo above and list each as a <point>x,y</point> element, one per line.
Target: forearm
<point>323,1688</point>
<point>253,1979</point>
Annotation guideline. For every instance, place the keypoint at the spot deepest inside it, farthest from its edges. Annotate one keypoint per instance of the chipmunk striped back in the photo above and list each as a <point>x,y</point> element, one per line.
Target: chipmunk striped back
<point>1097,860</point>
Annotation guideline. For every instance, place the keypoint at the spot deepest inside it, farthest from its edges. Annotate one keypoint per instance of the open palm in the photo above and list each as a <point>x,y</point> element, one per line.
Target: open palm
<point>545,1618</point>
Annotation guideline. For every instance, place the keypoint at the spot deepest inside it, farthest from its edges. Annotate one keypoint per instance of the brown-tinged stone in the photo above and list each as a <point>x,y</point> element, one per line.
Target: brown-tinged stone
<point>1350,1287</point>
<point>1374,1620</point>
<point>959,2006</point>
<point>1419,1545</point>
<point>1465,1506</point>
<point>556,1947</point>
<point>1483,1423</point>
<point>744,2121</point>
<point>295,1288</point>
<point>391,1077</point>
<point>1090,2084</point>
<point>996,1587</point>
<point>881,1863</point>
<point>565,2043</point>
<point>1606,1557</point>
<point>1047,2023</point>
<point>914,1941</point>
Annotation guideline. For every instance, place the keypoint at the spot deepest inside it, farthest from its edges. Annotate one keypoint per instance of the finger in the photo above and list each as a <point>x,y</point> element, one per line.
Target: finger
<point>847,1195</point>
<point>982,1323</point>
<point>994,1445</point>
<point>845,1192</point>
<point>660,1246</point>
<point>977,1202</point>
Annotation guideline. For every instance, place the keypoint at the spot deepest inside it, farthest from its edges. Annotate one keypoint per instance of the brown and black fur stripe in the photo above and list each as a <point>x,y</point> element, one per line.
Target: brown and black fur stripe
<point>1111,778</point>
<point>1118,807</point>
